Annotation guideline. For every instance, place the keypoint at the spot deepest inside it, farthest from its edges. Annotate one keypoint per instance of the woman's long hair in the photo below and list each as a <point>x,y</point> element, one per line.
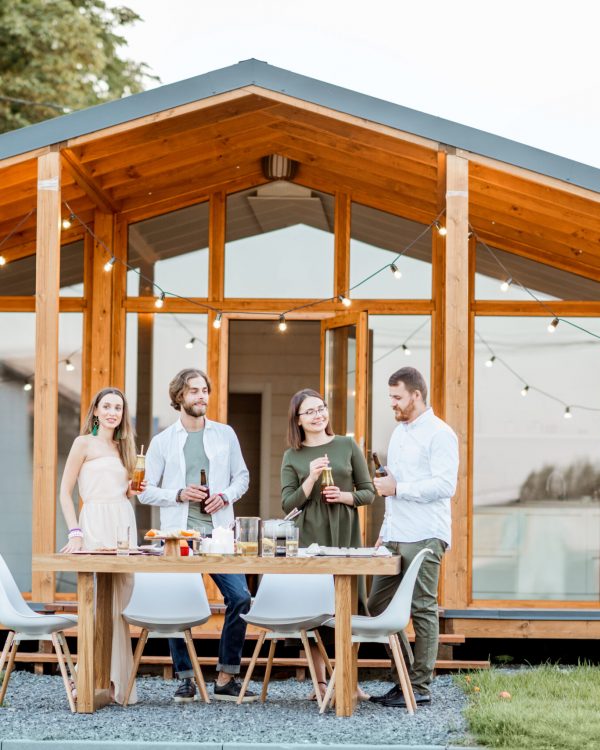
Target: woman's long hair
<point>126,441</point>
<point>295,433</point>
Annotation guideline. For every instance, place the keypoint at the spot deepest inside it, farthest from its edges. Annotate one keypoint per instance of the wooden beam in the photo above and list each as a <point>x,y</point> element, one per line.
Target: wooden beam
<point>119,321</point>
<point>341,274</point>
<point>438,293</point>
<point>99,197</point>
<point>558,629</point>
<point>100,301</point>
<point>216,355</point>
<point>45,410</point>
<point>216,247</point>
<point>456,383</point>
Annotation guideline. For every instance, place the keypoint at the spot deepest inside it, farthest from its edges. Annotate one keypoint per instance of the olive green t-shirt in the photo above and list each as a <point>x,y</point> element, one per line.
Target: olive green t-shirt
<point>195,460</point>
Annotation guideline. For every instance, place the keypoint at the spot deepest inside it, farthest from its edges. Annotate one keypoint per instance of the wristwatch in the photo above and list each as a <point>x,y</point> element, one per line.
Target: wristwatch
<point>178,496</point>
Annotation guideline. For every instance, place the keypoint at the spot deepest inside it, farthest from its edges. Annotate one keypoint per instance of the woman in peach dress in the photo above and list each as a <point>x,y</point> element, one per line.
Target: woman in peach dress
<point>101,462</point>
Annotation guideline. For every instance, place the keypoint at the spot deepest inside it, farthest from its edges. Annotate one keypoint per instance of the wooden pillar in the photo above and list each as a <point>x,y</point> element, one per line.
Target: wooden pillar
<point>45,421</point>
<point>438,341</point>
<point>456,381</point>
<point>217,408</point>
<point>119,296</point>
<point>341,276</point>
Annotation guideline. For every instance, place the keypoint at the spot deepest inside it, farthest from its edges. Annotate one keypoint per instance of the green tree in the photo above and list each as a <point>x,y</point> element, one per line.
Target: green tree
<point>63,53</point>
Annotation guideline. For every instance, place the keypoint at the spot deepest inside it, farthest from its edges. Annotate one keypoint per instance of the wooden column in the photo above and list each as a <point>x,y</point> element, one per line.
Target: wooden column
<point>456,381</point>
<point>341,277</point>
<point>119,296</point>
<point>217,408</point>
<point>438,341</point>
<point>45,410</point>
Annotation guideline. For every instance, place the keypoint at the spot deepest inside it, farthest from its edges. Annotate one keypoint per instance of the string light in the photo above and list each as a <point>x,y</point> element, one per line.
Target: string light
<point>567,414</point>
<point>395,271</point>
<point>69,366</point>
<point>442,231</point>
<point>66,223</point>
<point>490,362</point>
<point>109,264</point>
<point>2,261</point>
<point>190,343</point>
<point>346,301</point>
<point>160,301</point>
<point>505,285</point>
<point>282,324</point>
<point>524,390</point>
<point>27,386</point>
<point>217,321</point>
<point>406,350</point>
<point>553,325</point>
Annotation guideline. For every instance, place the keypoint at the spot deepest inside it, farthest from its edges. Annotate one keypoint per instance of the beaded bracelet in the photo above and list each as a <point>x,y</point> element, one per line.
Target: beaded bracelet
<point>75,533</point>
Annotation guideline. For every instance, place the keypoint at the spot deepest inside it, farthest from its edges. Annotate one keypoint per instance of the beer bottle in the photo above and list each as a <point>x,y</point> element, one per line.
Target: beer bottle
<point>204,483</point>
<point>380,472</point>
<point>326,480</point>
<point>139,472</point>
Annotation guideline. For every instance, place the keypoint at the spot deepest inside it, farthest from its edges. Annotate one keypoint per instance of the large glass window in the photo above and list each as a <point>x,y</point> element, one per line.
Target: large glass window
<point>536,483</point>
<point>170,250</point>
<point>279,242</point>
<point>377,238</point>
<point>17,277</point>
<point>395,341</point>
<point>498,274</point>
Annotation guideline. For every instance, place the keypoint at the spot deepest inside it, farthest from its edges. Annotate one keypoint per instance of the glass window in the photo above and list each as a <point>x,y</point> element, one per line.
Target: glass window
<point>498,274</point>
<point>170,250</point>
<point>536,483</point>
<point>395,341</point>
<point>377,238</point>
<point>279,242</point>
<point>17,277</point>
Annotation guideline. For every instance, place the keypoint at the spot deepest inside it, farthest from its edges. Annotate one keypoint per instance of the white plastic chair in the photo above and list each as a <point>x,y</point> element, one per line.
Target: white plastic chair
<point>165,605</point>
<point>384,628</point>
<point>290,606</point>
<point>24,624</point>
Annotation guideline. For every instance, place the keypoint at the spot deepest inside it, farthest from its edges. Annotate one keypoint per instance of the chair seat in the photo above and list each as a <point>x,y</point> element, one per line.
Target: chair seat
<point>38,625</point>
<point>167,626</point>
<point>368,628</point>
<point>287,626</point>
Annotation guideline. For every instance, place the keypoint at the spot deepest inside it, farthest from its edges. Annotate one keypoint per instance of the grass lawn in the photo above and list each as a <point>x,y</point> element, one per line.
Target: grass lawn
<point>539,708</point>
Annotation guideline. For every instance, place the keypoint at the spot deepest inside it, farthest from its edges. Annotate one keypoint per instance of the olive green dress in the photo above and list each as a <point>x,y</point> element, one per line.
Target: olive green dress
<point>328,524</point>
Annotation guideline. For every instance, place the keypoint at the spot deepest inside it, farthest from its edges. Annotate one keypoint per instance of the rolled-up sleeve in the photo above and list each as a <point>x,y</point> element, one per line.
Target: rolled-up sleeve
<point>240,476</point>
<point>443,459</point>
<point>364,492</point>
<point>292,494</point>
<point>155,466</point>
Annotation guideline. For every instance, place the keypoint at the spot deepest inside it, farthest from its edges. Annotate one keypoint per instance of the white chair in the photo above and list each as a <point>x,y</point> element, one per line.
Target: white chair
<point>24,624</point>
<point>384,628</point>
<point>165,605</point>
<point>290,606</point>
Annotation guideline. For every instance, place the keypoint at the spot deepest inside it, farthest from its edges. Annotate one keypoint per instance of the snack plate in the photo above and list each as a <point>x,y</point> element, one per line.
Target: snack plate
<point>106,552</point>
<point>346,552</point>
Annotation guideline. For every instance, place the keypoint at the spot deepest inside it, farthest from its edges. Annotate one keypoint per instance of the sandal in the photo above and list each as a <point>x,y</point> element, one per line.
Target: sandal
<point>313,697</point>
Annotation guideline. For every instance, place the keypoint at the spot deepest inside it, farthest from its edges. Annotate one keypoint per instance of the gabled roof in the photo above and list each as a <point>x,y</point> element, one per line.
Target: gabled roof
<point>255,72</point>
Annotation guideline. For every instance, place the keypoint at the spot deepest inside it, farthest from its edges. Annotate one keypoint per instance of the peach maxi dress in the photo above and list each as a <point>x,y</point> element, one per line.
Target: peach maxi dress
<point>103,487</point>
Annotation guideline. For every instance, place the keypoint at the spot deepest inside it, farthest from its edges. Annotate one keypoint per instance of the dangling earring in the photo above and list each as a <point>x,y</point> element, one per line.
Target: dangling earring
<point>95,425</point>
<point>118,434</point>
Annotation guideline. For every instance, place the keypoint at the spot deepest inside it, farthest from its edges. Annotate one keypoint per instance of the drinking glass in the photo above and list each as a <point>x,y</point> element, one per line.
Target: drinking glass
<point>291,541</point>
<point>246,533</point>
<point>269,539</point>
<point>122,540</point>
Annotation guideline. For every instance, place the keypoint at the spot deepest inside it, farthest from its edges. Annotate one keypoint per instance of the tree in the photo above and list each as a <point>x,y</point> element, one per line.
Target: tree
<point>63,53</point>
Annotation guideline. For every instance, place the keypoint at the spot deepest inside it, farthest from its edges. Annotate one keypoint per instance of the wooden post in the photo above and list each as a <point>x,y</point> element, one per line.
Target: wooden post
<point>438,253</point>
<point>456,381</point>
<point>217,408</point>
<point>341,276</point>
<point>45,411</point>
<point>100,302</point>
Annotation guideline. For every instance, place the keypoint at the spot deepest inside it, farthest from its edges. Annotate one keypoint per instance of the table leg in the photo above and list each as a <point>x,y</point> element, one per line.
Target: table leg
<point>345,657</point>
<point>103,638</point>
<point>85,643</point>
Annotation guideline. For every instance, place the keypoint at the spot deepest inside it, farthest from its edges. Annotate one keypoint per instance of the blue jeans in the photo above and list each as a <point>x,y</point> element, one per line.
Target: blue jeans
<point>237,600</point>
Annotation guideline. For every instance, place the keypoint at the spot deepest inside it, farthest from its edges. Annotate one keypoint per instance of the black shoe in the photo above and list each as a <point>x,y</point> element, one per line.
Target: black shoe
<point>186,692</point>
<point>392,693</point>
<point>399,702</point>
<point>231,692</point>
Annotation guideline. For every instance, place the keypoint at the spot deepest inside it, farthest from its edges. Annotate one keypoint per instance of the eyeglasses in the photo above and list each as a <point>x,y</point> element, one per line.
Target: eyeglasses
<point>320,410</point>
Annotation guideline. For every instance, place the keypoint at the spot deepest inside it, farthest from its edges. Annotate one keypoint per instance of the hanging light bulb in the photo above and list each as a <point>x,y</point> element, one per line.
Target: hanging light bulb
<point>190,344</point>
<point>406,350</point>
<point>553,325</point>
<point>69,366</point>
<point>217,321</point>
<point>109,264</point>
<point>442,231</point>
<point>346,301</point>
<point>66,223</point>
<point>396,271</point>
<point>490,361</point>
<point>567,414</point>
<point>524,390</point>
<point>27,386</point>
<point>505,285</point>
<point>282,324</point>
<point>160,301</point>
<point>2,260</point>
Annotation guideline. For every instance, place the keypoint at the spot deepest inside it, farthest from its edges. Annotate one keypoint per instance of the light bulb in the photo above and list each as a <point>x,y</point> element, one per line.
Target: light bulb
<point>217,321</point>
<point>442,231</point>
<point>505,285</point>
<point>406,350</point>
<point>27,387</point>
<point>66,223</point>
<point>190,344</point>
<point>396,271</point>
<point>282,324</point>
<point>552,326</point>
<point>524,390</point>
<point>160,301</point>
<point>490,361</point>
<point>2,260</point>
<point>109,264</point>
<point>567,414</point>
<point>346,301</point>
<point>69,366</point>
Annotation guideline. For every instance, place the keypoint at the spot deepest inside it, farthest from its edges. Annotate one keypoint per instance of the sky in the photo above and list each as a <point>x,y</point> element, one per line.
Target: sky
<point>524,70</point>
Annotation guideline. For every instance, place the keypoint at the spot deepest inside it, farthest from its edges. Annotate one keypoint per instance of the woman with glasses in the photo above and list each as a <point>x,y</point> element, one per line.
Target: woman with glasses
<point>330,519</point>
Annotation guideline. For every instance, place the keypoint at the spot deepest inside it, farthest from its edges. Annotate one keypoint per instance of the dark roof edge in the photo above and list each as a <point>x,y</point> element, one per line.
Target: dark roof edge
<point>255,72</point>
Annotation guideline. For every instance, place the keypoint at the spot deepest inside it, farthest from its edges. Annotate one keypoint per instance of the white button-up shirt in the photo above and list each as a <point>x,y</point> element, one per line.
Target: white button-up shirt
<point>423,458</point>
<point>165,472</point>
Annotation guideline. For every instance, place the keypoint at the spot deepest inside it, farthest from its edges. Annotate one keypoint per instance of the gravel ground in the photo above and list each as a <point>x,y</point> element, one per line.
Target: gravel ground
<point>36,708</point>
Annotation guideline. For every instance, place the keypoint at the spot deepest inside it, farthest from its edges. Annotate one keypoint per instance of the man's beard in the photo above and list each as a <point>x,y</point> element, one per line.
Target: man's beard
<point>194,410</point>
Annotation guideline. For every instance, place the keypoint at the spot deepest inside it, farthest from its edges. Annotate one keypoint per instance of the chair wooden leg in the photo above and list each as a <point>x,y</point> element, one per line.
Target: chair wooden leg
<point>63,671</point>
<point>9,668</point>
<point>402,673</point>
<point>137,657</point>
<point>268,668</point>
<point>62,638</point>
<point>328,693</point>
<point>196,665</point>
<point>311,667</point>
<point>323,652</point>
<point>7,644</point>
<point>246,682</point>
<point>411,693</point>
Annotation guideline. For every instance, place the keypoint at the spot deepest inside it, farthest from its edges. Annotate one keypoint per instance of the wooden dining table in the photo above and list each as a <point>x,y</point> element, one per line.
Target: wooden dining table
<point>94,593</point>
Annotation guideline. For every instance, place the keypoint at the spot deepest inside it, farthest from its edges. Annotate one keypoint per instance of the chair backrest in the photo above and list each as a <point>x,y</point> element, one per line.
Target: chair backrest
<point>290,596</point>
<point>396,615</point>
<point>157,597</point>
<point>11,600</point>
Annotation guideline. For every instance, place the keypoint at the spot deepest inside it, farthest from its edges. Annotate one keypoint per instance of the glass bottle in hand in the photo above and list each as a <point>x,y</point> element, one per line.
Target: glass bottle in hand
<point>204,485</point>
<point>326,480</point>
<point>139,472</point>
<point>380,472</point>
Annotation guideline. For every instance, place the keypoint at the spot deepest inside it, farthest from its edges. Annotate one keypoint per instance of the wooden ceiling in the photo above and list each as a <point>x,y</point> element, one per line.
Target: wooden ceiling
<point>176,158</point>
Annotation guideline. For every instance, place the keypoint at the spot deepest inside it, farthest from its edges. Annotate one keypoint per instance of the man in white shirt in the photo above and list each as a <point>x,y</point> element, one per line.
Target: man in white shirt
<point>174,461</point>
<point>421,480</point>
